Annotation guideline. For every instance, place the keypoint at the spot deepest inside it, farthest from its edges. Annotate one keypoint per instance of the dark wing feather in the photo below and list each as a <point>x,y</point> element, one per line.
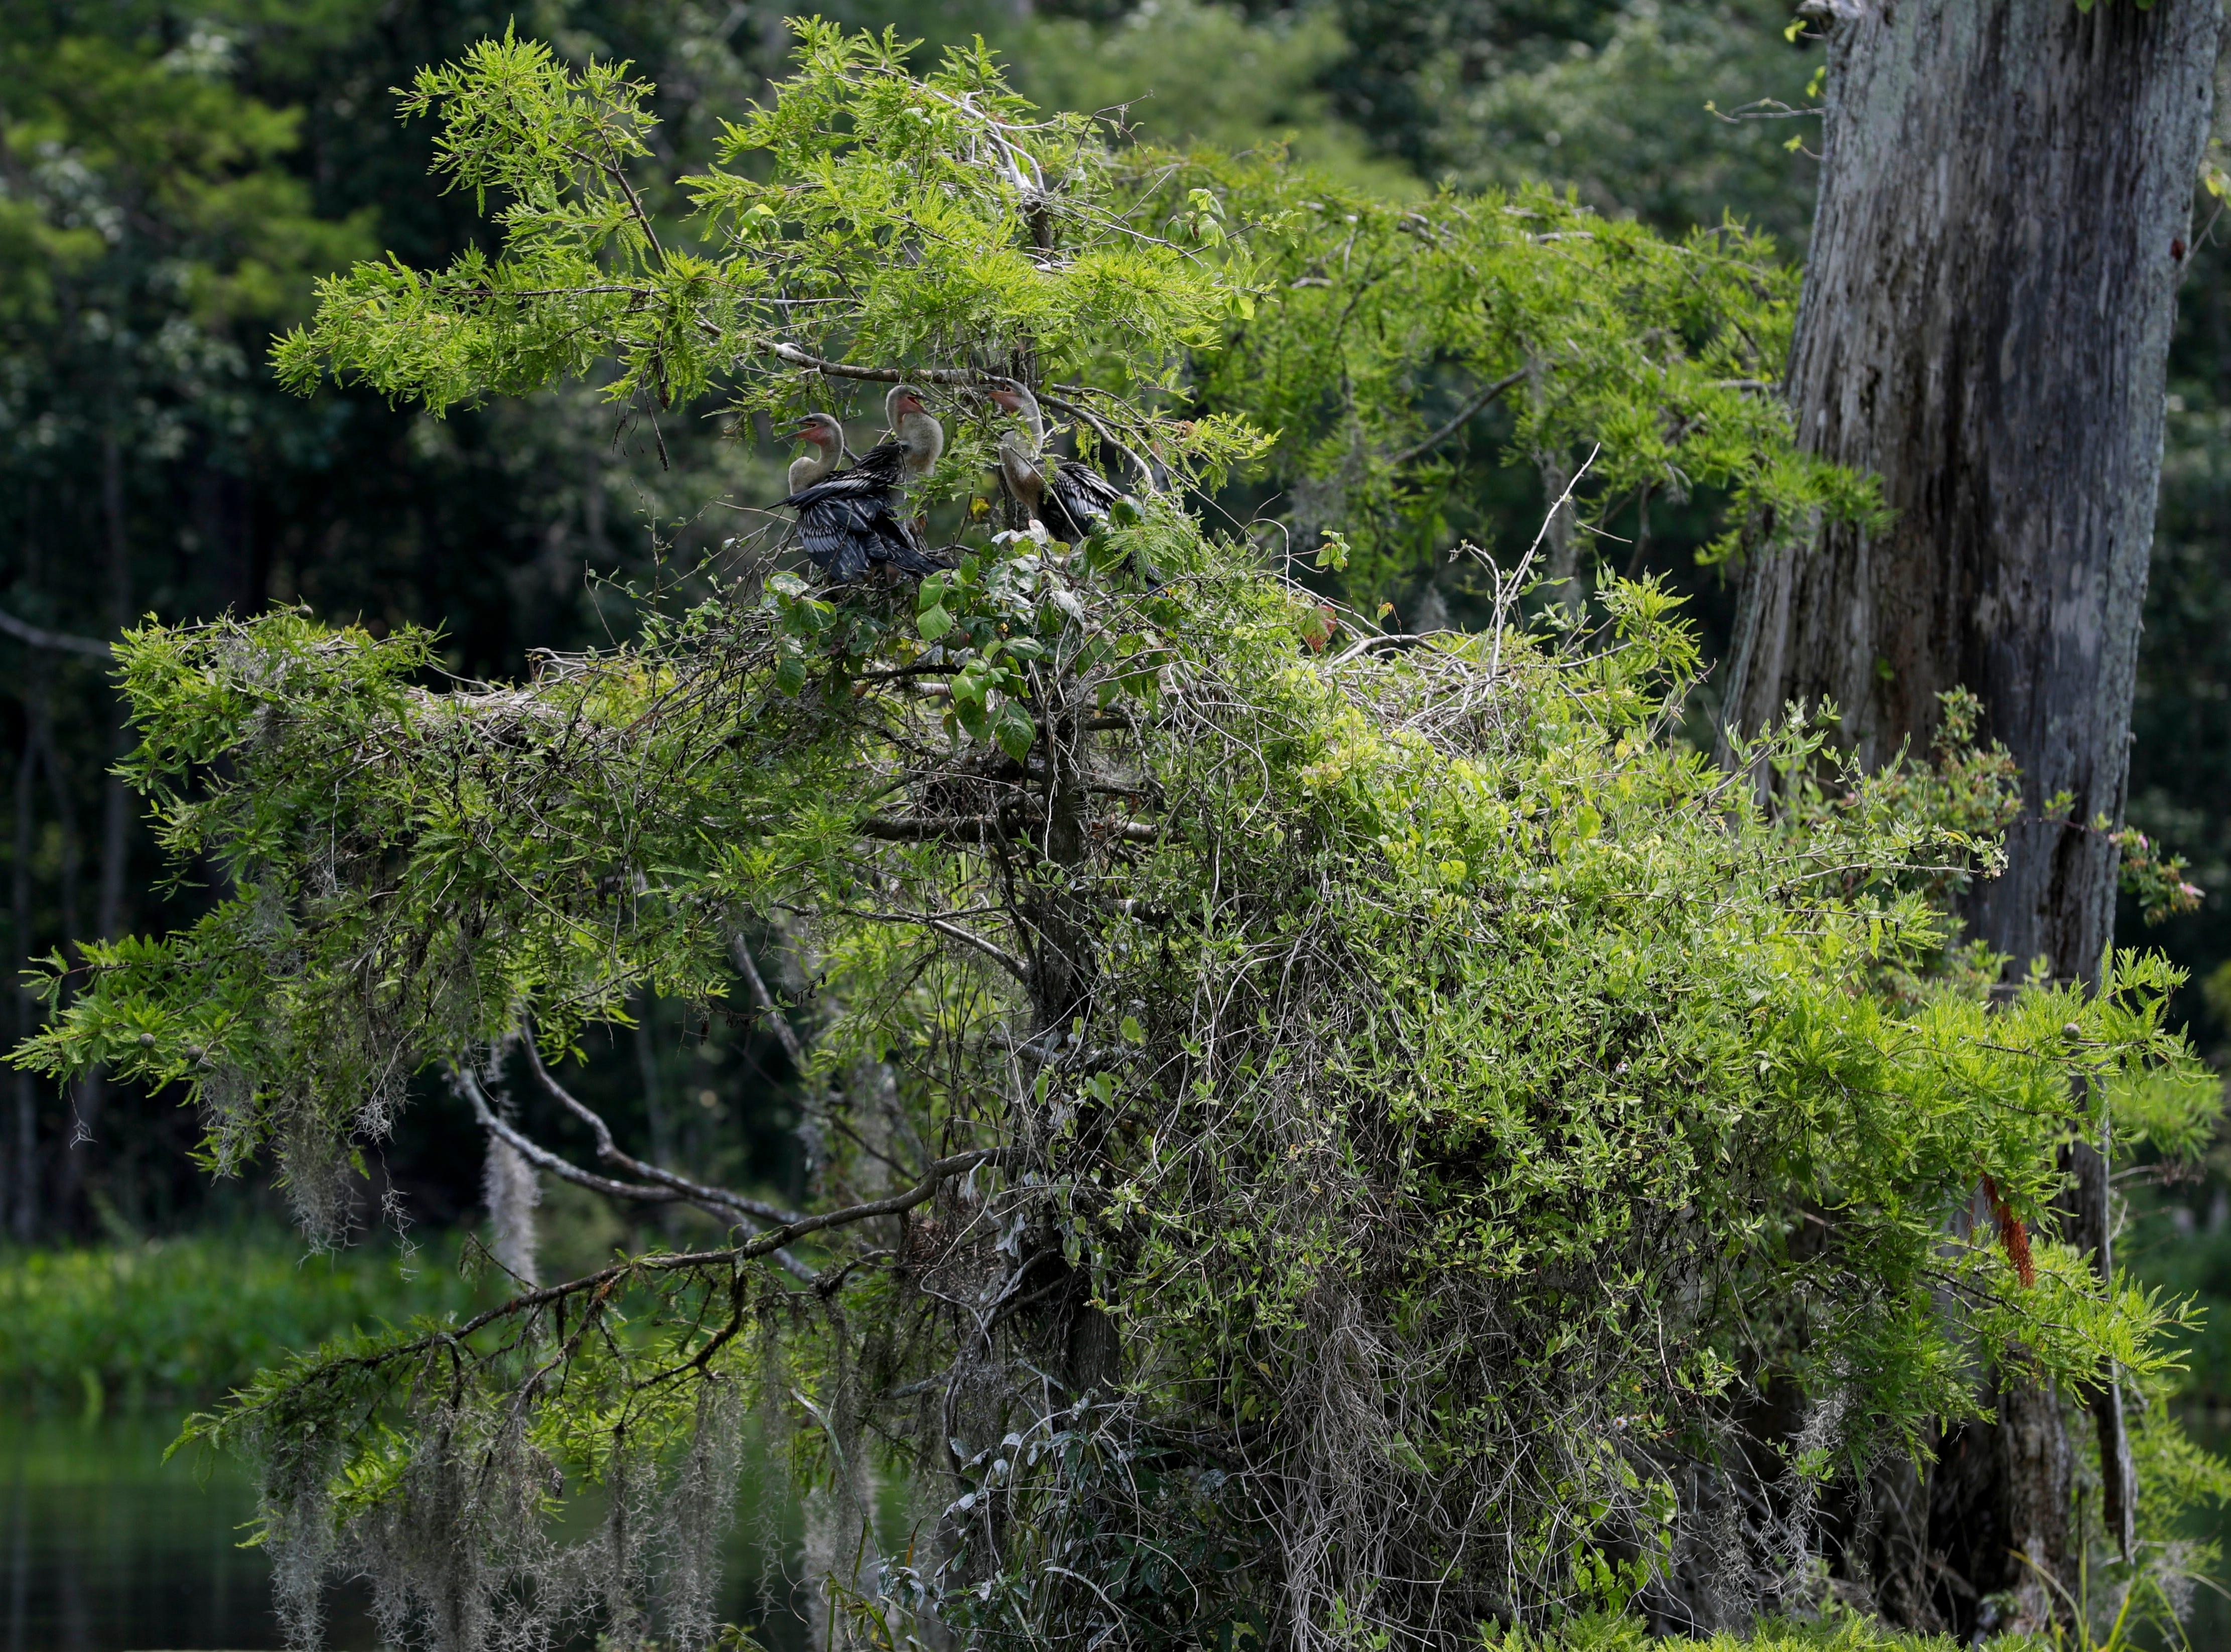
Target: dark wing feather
<point>904,550</point>
<point>847,520</point>
<point>885,462</point>
<point>838,530</point>
<point>1077,500</point>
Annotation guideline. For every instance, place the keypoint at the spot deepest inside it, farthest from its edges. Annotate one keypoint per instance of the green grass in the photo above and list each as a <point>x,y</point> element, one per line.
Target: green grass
<point>190,1318</point>
<point>1843,1632</point>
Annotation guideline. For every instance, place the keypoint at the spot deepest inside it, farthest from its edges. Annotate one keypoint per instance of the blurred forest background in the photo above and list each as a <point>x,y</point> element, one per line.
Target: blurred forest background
<point>174,177</point>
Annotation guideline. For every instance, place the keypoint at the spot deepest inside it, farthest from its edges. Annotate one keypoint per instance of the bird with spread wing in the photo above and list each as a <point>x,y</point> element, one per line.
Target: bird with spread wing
<point>849,518</point>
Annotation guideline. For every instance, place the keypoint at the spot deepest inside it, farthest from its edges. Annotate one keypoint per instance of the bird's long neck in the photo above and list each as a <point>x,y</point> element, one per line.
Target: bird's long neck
<point>1020,470</point>
<point>1032,417</point>
<point>810,468</point>
<point>923,438</point>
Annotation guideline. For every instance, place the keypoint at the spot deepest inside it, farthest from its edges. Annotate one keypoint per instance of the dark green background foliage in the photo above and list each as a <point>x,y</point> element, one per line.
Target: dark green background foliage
<point>190,1317</point>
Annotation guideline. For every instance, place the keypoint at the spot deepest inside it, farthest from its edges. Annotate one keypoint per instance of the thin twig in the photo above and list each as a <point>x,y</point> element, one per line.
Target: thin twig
<point>1507,592</point>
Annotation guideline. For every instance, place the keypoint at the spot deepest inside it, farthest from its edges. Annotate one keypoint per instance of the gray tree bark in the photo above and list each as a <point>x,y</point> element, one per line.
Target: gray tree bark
<point>2005,202</point>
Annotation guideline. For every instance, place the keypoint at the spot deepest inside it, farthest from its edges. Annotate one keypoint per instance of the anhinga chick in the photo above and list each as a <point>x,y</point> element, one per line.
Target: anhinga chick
<point>1071,499</point>
<point>914,430</point>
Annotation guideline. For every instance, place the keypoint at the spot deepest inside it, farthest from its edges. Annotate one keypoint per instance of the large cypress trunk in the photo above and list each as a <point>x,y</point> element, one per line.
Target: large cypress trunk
<point>2005,203</point>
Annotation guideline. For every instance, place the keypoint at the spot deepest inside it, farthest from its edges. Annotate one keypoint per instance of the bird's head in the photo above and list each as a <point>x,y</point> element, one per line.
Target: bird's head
<point>821,428</point>
<point>1007,395</point>
<point>903,402</point>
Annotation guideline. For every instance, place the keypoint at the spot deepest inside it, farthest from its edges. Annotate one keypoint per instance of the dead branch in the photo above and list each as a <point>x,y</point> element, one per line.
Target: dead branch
<point>725,1207</point>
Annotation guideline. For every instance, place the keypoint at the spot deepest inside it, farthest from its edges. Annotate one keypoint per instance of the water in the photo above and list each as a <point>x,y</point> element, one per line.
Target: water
<point>106,1548</point>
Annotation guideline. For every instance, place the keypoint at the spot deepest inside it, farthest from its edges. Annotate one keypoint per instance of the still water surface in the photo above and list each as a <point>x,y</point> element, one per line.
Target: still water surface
<point>106,1548</point>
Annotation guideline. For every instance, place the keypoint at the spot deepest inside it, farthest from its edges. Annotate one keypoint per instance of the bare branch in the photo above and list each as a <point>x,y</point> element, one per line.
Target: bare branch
<point>799,358</point>
<point>1507,590</point>
<point>60,642</point>
<point>768,1244</point>
<point>1100,428</point>
<point>600,1284</point>
<point>783,1030</point>
<point>610,1152</point>
<point>933,828</point>
<point>940,1171</point>
<point>1389,640</point>
<point>1418,450</point>
<point>979,828</point>
<point>998,955</point>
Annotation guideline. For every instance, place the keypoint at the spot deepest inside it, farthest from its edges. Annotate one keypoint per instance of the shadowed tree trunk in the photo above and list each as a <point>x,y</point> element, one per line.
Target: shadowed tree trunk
<point>2005,202</point>
<point>115,817</point>
<point>25,1208</point>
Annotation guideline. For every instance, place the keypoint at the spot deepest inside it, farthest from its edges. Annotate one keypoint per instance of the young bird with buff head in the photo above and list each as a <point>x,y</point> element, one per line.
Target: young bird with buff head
<point>829,449</point>
<point>1071,501</point>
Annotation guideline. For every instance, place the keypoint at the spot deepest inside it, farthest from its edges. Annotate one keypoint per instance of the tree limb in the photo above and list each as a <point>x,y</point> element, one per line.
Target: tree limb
<point>998,955</point>
<point>468,1084</point>
<point>61,642</point>
<point>799,358</point>
<point>601,1282</point>
<point>977,828</point>
<point>783,1030</point>
<point>1419,450</point>
<point>610,1152</point>
<point>1390,639</point>
<point>940,1171</point>
<point>933,828</point>
<point>1100,428</point>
